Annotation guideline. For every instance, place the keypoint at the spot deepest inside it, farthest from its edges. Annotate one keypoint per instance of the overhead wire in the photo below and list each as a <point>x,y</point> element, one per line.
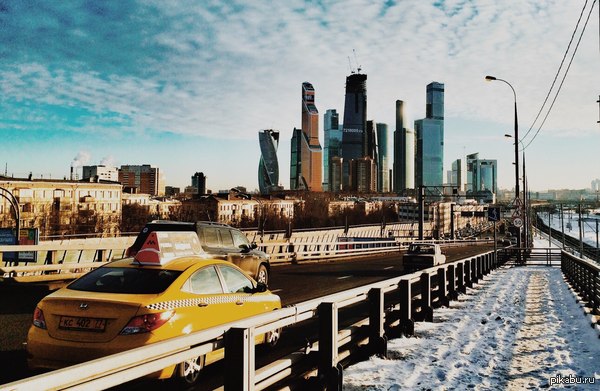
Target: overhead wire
<point>557,72</point>
<point>563,79</point>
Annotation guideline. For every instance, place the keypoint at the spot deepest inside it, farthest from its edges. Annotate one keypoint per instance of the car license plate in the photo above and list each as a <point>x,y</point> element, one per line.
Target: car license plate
<point>85,324</point>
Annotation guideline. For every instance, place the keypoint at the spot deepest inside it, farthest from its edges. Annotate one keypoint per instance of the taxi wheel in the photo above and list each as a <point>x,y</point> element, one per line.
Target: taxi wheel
<point>272,337</point>
<point>263,275</point>
<point>188,371</point>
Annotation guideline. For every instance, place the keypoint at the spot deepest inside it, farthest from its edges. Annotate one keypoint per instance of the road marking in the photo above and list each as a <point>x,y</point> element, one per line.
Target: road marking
<point>276,290</point>
<point>344,277</point>
<point>388,268</point>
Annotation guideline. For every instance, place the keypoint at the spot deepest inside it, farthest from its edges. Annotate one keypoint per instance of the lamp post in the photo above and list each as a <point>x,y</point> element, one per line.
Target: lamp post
<point>517,189</point>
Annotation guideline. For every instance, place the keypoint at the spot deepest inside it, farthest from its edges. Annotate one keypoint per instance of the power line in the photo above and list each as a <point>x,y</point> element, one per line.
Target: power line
<point>564,77</point>
<point>558,71</point>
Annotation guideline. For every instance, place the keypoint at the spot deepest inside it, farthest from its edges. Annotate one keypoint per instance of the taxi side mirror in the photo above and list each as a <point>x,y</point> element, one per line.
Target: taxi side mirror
<point>245,248</point>
<point>253,246</point>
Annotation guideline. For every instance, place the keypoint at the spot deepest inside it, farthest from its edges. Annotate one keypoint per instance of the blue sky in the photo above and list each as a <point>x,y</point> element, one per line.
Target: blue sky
<point>187,85</point>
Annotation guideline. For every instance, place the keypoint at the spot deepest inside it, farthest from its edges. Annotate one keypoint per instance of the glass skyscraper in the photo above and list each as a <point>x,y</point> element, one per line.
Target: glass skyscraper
<point>429,159</point>
<point>333,145</point>
<point>355,122</point>
<point>383,178</point>
<point>306,153</point>
<point>481,174</point>
<point>404,153</point>
<point>268,166</point>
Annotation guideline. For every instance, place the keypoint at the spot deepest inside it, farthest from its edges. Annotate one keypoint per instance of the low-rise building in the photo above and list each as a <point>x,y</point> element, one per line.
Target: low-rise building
<point>61,207</point>
<point>235,208</point>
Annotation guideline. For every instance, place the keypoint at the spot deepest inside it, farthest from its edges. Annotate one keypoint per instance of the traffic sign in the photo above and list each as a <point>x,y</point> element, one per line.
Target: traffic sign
<point>518,222</point>
<point>493,213</point>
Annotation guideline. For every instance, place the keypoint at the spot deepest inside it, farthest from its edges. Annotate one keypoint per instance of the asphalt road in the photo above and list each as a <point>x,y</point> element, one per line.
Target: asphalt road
<point>294,283</point>
<point>301,282</point>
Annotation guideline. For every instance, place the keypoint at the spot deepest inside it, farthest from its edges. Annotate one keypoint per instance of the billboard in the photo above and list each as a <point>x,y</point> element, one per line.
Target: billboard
<point>27,236</point>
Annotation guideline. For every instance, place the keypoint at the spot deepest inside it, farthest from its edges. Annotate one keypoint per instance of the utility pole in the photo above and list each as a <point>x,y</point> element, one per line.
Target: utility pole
<point>580,233</point>
<point>562,225</point>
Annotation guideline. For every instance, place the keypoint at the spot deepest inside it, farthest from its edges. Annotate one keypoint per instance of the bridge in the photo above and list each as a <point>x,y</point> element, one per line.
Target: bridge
<point>355,303</point>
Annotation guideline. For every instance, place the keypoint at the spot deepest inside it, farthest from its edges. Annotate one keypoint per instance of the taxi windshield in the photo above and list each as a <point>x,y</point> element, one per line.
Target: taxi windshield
<point>125,280</point>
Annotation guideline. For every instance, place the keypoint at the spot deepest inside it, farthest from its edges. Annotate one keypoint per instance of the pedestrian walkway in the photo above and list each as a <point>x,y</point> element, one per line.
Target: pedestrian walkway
<point>519,328</point>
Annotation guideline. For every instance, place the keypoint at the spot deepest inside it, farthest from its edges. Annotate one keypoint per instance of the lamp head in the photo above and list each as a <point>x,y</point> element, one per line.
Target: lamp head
<point>490,78</point>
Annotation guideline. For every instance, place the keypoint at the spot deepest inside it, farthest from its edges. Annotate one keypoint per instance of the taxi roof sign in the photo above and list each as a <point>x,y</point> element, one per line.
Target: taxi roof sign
<point>162,247</point>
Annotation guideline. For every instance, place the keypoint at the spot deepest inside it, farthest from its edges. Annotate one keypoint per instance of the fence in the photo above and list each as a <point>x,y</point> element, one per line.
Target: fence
<point>393,307</point>
<point>584,277</point>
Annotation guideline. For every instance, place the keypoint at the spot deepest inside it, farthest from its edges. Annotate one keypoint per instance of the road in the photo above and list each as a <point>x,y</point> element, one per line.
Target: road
<point>294,283</point>
<point>298,283</point>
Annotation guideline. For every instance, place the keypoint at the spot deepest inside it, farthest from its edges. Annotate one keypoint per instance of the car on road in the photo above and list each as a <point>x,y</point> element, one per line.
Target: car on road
<point>167,290</point>
<point>219,241</point>
<point>422,255</point>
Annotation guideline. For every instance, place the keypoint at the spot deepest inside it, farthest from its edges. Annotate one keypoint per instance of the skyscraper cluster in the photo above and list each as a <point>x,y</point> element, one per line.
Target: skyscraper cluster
<point>355,153</point>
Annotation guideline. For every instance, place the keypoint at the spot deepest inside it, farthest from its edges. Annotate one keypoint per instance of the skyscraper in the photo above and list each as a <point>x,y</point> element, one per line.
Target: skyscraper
<point>383,180</point>
<point>199,182</point>
<point>456,174</point>
<point>268,165</point>
<point>364,175</point>
<point>306,147</point>
<point>333,145</point>
<point>355,123</point>
<point>404,153</point>
<point>370,141</point>
<point>481,174</point>
<point>296,179</point>
<point>429,160</point>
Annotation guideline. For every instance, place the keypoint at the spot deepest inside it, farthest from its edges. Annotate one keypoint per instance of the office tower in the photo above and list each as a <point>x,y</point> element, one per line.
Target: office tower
<point>383,181</point>
<point>335,183</point>
<point>312,163</point>
<point>456,174</point>
<point>296,180</point>
<point>429,159</point>
<point>199,182</point>
<point>435,101</point>
<point>411,150</point>
<point>370,141</point>
<point>481,174</point>
<point>364,175</point>
<point>142,178</point>
<point>333,144</point>
<point>268,165</point>
<point>308,150</point>
<point>355,122</point>
<point>404,153</point>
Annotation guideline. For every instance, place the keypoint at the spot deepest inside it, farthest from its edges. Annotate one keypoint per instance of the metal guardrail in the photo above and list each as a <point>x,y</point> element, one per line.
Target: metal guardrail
<point>63,260</point>
<point>394,306</point>
<point>584,277</point>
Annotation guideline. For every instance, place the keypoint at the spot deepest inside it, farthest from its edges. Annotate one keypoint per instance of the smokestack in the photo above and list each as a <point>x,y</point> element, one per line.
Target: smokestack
<point>71,172</point>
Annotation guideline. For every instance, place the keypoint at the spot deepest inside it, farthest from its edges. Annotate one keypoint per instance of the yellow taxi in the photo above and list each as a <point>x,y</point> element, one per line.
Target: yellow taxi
<point>165,291</point>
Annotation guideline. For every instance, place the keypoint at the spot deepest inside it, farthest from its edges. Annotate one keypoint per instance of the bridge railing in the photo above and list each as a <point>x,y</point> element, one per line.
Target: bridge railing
<point>63,261</point>
<point>584,277</point>
<point>392,308</point>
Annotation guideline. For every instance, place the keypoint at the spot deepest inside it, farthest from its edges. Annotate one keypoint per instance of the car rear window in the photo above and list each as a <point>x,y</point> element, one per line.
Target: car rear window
<point>126,280</point>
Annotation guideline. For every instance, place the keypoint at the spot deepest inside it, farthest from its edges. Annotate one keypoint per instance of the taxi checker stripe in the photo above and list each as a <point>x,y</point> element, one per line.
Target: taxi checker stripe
<point>173,304</point>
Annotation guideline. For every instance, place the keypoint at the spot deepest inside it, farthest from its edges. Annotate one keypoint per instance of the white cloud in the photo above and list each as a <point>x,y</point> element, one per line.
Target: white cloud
<point>227,70</point>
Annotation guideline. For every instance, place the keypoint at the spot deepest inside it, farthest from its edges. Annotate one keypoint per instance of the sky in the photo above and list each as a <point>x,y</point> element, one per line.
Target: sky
<point>186,86</point>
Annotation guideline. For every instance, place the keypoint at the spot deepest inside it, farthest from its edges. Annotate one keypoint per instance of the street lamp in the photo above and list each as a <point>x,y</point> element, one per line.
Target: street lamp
<point>517,190</point>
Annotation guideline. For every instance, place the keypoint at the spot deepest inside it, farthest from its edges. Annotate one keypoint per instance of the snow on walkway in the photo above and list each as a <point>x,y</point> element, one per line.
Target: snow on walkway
<point>514,330</point>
